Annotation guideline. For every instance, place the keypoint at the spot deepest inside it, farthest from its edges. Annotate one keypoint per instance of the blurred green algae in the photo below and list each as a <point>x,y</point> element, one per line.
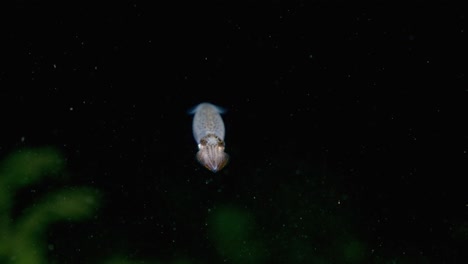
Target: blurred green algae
<point>296,230</point>
<point>22,238</point>
<point>234,233</point>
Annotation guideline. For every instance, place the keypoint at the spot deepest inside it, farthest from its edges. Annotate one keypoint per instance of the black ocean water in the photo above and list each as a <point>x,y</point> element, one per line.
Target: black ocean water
<point>344,126</point>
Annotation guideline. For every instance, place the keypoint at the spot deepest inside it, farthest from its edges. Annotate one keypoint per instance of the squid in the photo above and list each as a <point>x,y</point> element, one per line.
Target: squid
<point>208,131</point>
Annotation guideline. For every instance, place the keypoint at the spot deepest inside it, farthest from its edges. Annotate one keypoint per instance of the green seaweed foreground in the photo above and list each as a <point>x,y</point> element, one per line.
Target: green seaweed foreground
<point>22,238</point>
<point>237,233</point>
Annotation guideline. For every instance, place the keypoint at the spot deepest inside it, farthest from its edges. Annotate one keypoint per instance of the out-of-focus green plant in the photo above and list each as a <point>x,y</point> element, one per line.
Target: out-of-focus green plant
<point>22,238</point>
<point>233,231</point>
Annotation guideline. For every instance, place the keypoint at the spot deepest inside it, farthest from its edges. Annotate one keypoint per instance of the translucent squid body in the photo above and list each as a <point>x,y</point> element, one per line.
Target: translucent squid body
<point>208,130</point>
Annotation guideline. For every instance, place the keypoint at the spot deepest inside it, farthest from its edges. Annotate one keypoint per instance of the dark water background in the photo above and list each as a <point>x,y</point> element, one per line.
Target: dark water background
<point>343,125</point>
